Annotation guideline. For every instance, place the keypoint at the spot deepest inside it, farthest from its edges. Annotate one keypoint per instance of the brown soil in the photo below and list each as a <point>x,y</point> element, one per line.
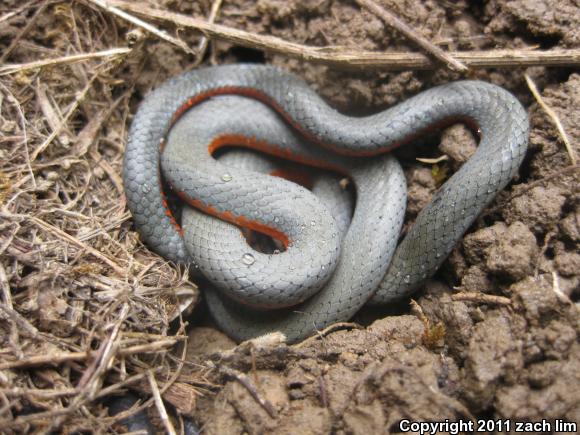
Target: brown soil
<point>449,358</point>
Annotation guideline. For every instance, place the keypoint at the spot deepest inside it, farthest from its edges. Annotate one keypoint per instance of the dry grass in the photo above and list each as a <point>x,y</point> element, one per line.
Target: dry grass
<point>86,310</point>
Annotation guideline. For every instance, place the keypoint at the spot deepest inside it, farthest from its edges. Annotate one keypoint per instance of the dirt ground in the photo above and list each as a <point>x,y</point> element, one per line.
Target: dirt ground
<point>75,277</point>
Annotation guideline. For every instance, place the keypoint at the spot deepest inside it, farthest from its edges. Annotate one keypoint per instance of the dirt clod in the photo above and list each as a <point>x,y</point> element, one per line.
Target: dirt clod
<point>493,353</point>
<point>458,143</point>
<point>514,255</point>
<point>540,209</point>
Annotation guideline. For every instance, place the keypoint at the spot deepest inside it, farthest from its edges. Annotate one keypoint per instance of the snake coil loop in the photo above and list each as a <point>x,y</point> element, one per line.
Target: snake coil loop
<point>272,111</point>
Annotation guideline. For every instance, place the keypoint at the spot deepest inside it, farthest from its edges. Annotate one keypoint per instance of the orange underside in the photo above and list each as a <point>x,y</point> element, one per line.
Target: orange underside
<point>267,148</point>
<point>237,220</point>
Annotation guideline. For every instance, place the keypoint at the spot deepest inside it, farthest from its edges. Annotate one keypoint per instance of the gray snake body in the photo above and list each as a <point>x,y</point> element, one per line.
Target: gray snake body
<point>330,278</point>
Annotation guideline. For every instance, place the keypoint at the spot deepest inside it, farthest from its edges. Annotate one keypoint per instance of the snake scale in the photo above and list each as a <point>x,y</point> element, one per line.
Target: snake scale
<point>323,274</point>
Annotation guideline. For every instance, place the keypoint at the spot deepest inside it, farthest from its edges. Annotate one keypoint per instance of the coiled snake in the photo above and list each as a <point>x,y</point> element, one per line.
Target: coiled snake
<point>325,276</point>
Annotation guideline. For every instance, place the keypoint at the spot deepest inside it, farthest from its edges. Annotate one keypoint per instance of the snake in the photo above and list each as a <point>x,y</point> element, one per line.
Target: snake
<point>323,275</point>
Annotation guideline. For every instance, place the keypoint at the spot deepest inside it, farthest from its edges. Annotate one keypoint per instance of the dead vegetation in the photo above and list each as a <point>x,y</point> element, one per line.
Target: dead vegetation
<point>87,311</point>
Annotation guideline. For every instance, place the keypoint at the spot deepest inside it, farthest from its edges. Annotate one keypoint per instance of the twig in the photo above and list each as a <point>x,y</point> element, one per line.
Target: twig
<point>202,46</point>
<point>107,350</point>
<point>433,335</point>
<point>151,347</point>
<point>78,99</point>
<point>50,114</point>
<point>332,328</point>
<point>396,23</point>
<point>38,392</point>
<point>51,393</point>
<point>40,360</point>
<point>159,404</point>
<point>5,288</point>
<point>6,242</point>
<point>433,161</point>
<point>418,311</point>
<point>554,117</point>
<point>67,237</point>
<point>87,135</point>
<point>22,67</point>
<point>354,58</point>
<point>563,297</point>
<point>24,419</point>
<point>150,28</point>
<point>11,98</point>
<point>247,384</point>
<point>16,11</point>
<point>130,380</point>
<point>481,298</point>
<point>23,324</point>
